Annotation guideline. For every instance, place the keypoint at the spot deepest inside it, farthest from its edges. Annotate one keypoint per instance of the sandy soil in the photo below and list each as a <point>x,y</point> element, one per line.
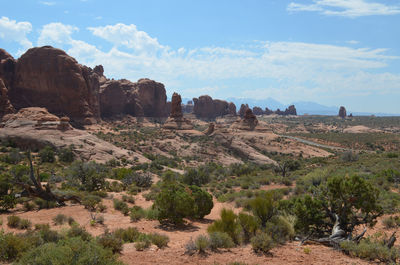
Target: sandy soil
<point>360,129</point>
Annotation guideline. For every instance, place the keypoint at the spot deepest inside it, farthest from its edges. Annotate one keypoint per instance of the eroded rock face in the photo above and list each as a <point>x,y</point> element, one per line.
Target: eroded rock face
<point>188,107</point>
<point>176,121</point>
<point>152,97</point>
<point>258,111</point>
<point>250,119</point>
<point>176,106</point>
<point>207,108</point>
<point>291,110</point>
<point>232,108</point>
<point>7,68</point>
<point>5,105</point>
<point>48,77</point>
<point>342,112</point>
<point>243,109</point>
<point>210,129</point>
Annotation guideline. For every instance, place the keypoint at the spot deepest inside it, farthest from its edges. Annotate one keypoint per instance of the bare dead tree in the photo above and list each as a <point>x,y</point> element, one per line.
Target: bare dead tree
<point>43,192</point>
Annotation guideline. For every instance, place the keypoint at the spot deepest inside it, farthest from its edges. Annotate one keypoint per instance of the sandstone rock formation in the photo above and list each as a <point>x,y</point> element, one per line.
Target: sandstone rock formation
<point>257,111</point>
<point>176,120</point>
<point>268,111</point>
<point>188,107</point>
<point>243,109</point>
<point>291,110</point>
<point>207,108</point>
<point>5,105</point>
<point>249,121</point>
<point>232,109</point>
<point>210,129</point>
<point>48,77</point>
<point>342,112</point>
<point>35,128</point>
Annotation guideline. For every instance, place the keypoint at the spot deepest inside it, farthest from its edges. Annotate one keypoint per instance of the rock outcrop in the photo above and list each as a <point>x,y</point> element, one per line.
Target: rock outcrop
<point>342,112</point>
<point>5,105</point>
<point>188,107</point>
<point>34,128</point>
<point>210,129</point>
<point>243,109</point>
<point>176,121</point>
<point>257,111</point>
<point>207,108</point>
<point>48,77</point>
<point>291,110</point>
<point>232,109</point>
<point>248,122</point>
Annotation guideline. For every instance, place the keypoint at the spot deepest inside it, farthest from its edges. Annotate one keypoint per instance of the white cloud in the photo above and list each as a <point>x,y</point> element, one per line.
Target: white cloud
<point>128,36</point>
<point>47,3</point>
<point>11,30</point>
<point>56,34</point>
<point>346,8</point>
<point>352,42</point>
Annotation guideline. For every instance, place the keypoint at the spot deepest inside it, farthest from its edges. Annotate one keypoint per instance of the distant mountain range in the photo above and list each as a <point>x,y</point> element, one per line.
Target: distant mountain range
<point>302,107</point>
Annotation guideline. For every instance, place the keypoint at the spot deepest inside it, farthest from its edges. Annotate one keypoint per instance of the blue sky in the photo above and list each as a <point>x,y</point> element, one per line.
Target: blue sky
<point>334,52</point>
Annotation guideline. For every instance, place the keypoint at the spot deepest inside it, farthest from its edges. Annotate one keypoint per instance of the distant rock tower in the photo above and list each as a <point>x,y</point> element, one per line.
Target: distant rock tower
<point>342,112</point>
<point>176,121</point>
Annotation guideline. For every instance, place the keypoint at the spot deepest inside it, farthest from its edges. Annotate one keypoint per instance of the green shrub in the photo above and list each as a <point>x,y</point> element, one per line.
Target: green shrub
<point>46,234</point>
<point>12,246</point>
<point>173,203</point>
<point>47,155</point>
<point>129,199</point>
<point>7,197</point>
<point>143,242</point>
<point>196,177</point>
<point>136,213</point>
<point>390,222</point>
<point>66,155</point>
<point>91,202</point>
<point>28,206</point>
<point>228,224</point>
<point>86,176</point>
<point>128,235</point>
<point>43,204</point>
<point>371,250</point>
<point>220,240</point>
<point>13,221</point>
<point>280,229</point>
<point>60,219</point>
<point>151,213</point>
<point>190,247</point>
<point>203,202</point>
<point>263,207</point>
<point>25,224</point>
<point>161,241</point>
<point>78,231</point>
<point>262,243</point>
<point>202,244</point>
<point>111,242</point>
<point>249,226</point>
<point>72,251</point>
<point>121,206</point>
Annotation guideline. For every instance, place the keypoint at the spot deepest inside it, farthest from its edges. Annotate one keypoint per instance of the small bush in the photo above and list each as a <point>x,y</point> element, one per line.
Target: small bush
<point>43,204</point>
<point>129,235</point>
<point>121,206</point>
<point>129,199</point>
<point>190,247</point>
<point>136,214</point>
<point>47,155</point>
<point>12,246</point>
<point>161,241</point>
<point>28,206</point>
<point>307,250</point>
<point>142,243</point>
<point>71,220</point>
<point>249,226</point>
<point>202,244</point>
<point>280,229</point>
<point>60,219</point>
<point>262,243</point>
<point>13,221</point>
<point>78,231</point>
<point>228,224</point>
<point>91,202</point>
<point>25,224</point>
<point>220,240</point>
<point>66,155</point>
<point>111,242</point>
<point>391,222</point>
<point>371,250</point>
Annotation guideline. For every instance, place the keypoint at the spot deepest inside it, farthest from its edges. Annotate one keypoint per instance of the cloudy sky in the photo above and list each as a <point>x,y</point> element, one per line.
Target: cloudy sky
<point>334,52</point>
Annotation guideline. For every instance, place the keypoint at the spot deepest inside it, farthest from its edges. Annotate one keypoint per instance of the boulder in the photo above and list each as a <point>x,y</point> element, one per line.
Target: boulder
<point>210,129</point>
<point>48,77</point>
<point>249,121</point>
<point>5,105</point>
<point>207,108</point>
<point>342,112</point>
